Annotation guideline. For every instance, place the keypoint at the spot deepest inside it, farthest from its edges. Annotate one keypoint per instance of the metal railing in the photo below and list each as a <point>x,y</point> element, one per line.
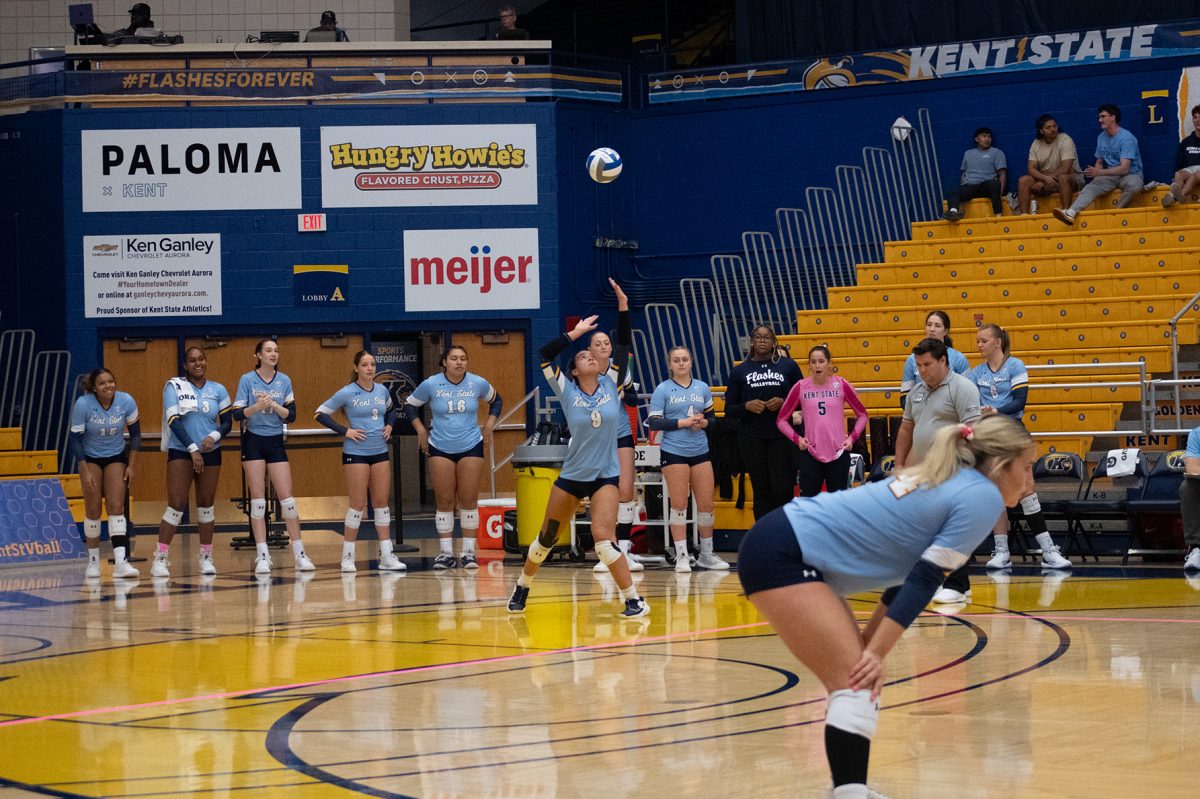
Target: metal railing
<point>1190,305</point>
<point>493,467</point>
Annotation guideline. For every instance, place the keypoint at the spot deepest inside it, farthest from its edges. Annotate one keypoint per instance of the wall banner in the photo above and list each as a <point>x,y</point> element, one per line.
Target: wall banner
<point>36,523</point>
<point>321,284</point>
<point>471,270</point>
<point>154,274</point>
<point>424,165</point>
<point>191,169</point>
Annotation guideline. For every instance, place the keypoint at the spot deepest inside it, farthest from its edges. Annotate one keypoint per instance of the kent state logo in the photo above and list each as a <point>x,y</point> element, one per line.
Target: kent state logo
<point>1176,460</point>
<point>1058,463</point>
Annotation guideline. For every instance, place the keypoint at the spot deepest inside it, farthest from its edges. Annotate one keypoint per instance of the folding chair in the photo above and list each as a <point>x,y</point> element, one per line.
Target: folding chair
<point>1159,501</point>
<point>1105,503</point>
<point>882,469</point>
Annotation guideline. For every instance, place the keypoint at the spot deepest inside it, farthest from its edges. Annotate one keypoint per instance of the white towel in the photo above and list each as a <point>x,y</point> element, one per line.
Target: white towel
<point>1122,462</point>
<point>186,401</point>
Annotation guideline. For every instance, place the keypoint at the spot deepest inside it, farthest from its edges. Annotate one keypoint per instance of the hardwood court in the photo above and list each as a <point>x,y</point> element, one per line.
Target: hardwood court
<point>421,685</point>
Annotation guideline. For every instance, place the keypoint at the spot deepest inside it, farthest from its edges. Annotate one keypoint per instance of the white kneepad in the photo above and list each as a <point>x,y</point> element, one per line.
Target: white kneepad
<point>706,519</point>
<point>383,517</point>
<point>91,528</point>
<point>172,516</point>
<point>443,521</point>
<point>206,515</point>
<point>353,518</point>
<point>537,552</point>
<point>258,508</point>
<point>853,711</point>
<point>469,519</point>
<point>117,525</point>
<point>627,513</point>
<point>288,506</point>
<point>678,516</point>
<point>607,552</point>
<point>1030,505</point>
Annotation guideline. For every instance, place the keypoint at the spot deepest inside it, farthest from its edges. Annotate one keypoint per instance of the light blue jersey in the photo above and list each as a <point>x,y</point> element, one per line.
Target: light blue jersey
<point>1111,149</point>
<point>673,402</point>
<point>1193,444</point>
<point>996,388</point>
<point>366,411</point>
<point>250,386</point>
<point>871,537</point>
<point>613,373</point>
<point>198,408</point>
<point>958,363</point>
<point>594,420</point>
<point>454,408</point>
<point>103,428</point>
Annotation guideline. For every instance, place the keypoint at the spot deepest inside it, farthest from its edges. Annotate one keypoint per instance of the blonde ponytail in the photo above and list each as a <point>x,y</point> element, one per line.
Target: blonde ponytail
<point>959,446</point>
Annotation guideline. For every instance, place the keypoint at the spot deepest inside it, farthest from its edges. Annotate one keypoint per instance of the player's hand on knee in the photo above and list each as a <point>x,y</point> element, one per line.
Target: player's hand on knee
<point>867,674</point>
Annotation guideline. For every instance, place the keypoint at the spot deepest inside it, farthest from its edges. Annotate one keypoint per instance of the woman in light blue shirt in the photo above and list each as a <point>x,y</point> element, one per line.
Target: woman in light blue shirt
<point>903,534</point>
<point>369,420</point>
<point>264,404</point>
<point>937,325</point>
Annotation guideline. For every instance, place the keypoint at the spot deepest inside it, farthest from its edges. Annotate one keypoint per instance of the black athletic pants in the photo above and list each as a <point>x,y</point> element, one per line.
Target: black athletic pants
<point>989,189</point>
<point>834,475</point>
<point>770,462</point>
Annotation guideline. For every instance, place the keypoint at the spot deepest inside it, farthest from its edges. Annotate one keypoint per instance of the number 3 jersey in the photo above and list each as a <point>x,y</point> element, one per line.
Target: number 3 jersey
<point>366,411</point>
<point>103,428</point>
<point>455,410</point>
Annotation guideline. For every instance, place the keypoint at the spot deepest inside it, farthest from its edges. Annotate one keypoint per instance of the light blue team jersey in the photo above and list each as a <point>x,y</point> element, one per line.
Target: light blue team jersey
<point>996,388</point>
<point>103,428</point>
<point>673,402</point>
<point>200,411</point>
<point>1193,444</point>
<point>1111,149</point>
<point>594,420</point>
<point>871,537</point>
<point>366,411</point>
<point>613,373</point>
<point>958,363</point>
<point>455,410</point>
<point>250,386</point>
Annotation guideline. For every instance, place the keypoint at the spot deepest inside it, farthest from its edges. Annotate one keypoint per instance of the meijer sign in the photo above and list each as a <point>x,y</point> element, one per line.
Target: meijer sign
<point>471,270</point>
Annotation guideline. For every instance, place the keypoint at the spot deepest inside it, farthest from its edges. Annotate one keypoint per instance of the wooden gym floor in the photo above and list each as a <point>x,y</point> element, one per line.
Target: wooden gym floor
<point>421,685</point>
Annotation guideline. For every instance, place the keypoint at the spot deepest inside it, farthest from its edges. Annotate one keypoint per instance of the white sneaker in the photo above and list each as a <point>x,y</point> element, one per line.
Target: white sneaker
<point>683,565</point>
<point>391,563</point>
<point>304,564</point>
<point>1065,215</point>
<point>124,569</point>
<point>635,565</point>
<point>948,596</point>
<point>1001,559</point>
<point>1192,563</point>
<point>161,567</point>
<point>600,568</point>
<point>1053,559</point>
<point>348,565</point>
<point>206,563</point>
<point>262,564</point>
<point>710,560</point>
<point>93,569</point>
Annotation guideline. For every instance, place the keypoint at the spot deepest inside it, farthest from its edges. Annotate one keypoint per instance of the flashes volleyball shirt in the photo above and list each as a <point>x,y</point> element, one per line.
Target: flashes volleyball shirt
<point>758,380</point>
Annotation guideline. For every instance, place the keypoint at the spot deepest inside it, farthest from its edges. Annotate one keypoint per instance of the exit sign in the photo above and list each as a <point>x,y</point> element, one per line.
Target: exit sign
<point>310,223</point>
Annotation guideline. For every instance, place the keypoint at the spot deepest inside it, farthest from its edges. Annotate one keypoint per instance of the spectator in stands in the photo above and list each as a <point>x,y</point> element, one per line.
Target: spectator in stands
<point>983,173</point>
<point>1189,501</point>
<point>942,397</point>
<point>1187,165</point>
<point>753,395</point>
<point>1053,167</point>
<point>1118,165</point>
<point>508,25</point>
<point>937,325</point>
<point>328,25</point>
<point>139,17</point>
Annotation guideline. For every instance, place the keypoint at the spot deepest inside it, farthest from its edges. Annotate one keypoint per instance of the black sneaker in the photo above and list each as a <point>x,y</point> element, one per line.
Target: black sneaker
<point>467,560</point>
<point>516,603</point>
<point>952,215</point>
<point>634,608</point>
<point>444,561</point>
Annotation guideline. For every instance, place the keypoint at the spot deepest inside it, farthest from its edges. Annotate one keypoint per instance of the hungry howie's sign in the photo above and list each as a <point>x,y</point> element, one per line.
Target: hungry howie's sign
<point>471,270</point>
<point>424,165</point>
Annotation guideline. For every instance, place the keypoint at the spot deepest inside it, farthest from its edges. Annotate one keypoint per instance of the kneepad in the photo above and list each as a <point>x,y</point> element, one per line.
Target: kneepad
<point>353,518</point>
<point>607,552</point>
<point>853,712</point>
<point>678,516</point>
<point>91,529</point>
<point>206,515</point>
<point>1030,505</point>
<point>288,506</point>
<point>627,513</point>
<point>117,525</point>
<point>383,517</point>
<point>443,521</point>
<point>706,519</point>
<point>469,519</point>
<point>258,508</point>
<point>172,516</point>
<point>537,552</point>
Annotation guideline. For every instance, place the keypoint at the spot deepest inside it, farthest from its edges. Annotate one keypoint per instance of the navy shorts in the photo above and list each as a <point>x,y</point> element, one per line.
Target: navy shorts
<point>474,452</point>
<point>582,489</point>
<point>104,463</point>
<point>211,458</point>
<point>263,448</point>
<point>671,459</point>
<point>625,442</point>
<point>770,556</point>
<point>369,460</point>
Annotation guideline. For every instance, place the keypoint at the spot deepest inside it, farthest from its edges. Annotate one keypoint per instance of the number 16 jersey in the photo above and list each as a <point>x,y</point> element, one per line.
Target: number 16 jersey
<point>455,410</point>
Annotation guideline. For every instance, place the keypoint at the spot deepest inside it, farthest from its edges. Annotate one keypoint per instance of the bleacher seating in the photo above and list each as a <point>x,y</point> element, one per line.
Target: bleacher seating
<point>18,464</point>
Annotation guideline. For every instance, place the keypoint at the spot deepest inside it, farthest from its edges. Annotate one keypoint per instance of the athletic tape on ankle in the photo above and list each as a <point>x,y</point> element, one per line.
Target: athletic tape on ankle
<point>288,506</point>
<point>537,552</point>
<point>258,508</point>
<point>627,513</point>
<point>117,525</point>
<point>853,711</point>
<point>353,518</point>
<point>172,516</point>
<point>383,517</point>
<point>91,529</point>
<point>678,516</point>
<point>607,552</point>
<point>206,515</point>
<point>1030,505</point>
<point>469,519</point>
<point>706,519</point>
<point>443,521</point>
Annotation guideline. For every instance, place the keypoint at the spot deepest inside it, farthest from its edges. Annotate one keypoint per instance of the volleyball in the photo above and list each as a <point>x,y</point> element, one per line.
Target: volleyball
<point>604,164</point>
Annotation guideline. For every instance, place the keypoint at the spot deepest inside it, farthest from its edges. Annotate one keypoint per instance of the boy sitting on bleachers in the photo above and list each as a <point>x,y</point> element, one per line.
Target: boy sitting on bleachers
<point>982,174</point>
<point>1118,165</point>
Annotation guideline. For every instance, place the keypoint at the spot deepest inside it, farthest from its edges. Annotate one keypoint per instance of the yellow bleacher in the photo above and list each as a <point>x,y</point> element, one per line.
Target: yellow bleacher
<point>18,464</point>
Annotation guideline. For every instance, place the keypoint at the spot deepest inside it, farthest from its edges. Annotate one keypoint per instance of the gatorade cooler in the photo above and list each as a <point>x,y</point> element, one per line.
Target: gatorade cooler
<point>491,522</point>
<point>536,467</point>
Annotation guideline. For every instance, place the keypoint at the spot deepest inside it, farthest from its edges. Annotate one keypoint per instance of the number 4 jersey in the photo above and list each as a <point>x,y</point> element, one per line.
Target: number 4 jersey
<point>455,410</point>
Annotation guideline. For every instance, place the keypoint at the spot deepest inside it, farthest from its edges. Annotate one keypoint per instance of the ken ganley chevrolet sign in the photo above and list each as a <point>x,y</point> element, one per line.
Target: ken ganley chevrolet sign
<point>471,270</point>
<point>193,169</point>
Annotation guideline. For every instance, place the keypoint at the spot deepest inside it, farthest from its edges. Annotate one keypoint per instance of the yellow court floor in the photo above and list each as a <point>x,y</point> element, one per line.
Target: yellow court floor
<point>421,685</point>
